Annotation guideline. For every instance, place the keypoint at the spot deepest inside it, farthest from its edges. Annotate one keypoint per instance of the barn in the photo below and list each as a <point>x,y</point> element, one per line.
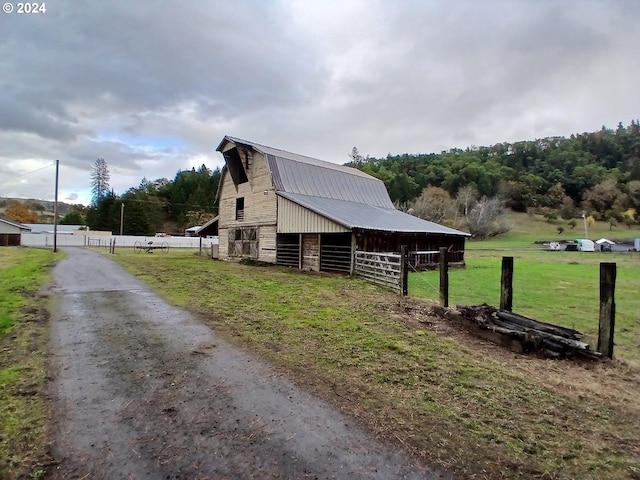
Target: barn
<point>293,210</point>
<point>10,232</point>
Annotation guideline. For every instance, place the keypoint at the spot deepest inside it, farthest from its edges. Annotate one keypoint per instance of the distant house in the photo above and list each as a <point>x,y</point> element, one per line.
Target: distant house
<point>47,228</point>
<point>292,210</point>
<point>10,233</point>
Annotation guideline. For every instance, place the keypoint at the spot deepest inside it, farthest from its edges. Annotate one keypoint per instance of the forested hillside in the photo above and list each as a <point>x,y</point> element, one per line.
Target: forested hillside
<point>597,172</point>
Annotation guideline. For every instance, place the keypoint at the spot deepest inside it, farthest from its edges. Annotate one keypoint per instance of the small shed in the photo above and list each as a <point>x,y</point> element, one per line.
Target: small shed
<point>209,229</point>
<point>10,233</point>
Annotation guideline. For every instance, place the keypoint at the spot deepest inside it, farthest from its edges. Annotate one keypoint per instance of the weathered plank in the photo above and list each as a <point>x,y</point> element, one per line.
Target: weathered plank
<point>530,334</point>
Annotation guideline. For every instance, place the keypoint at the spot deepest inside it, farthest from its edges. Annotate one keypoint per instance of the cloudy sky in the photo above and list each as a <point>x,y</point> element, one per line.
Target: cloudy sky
<point>152,86</point>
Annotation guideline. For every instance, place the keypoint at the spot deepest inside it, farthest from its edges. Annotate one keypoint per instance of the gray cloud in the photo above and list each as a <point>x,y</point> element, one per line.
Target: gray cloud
<point>152,86</point>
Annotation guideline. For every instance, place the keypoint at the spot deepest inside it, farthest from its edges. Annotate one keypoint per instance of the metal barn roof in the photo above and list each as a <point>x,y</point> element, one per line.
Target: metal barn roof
<point>369,217</point>
<point>343,194</point>
<point>293,173</point>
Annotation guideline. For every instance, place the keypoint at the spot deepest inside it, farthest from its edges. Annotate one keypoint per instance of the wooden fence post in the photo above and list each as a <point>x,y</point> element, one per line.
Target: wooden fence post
<point>444,277</point>
<point>506,284</point>
<point>607,308</point>
<point>404,271</point>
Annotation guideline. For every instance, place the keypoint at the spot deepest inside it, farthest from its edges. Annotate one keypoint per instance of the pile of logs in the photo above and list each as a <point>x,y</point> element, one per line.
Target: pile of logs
<point>524,334</point>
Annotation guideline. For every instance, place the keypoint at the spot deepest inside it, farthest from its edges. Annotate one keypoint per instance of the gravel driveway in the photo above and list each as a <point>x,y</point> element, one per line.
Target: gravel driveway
<point>141,389</point>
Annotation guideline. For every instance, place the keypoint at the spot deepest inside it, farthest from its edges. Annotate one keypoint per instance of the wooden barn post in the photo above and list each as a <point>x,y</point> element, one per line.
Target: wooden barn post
<point>404,271</point>
<point>506,284</point>
<point>607,308</point>
<point>444,277</point>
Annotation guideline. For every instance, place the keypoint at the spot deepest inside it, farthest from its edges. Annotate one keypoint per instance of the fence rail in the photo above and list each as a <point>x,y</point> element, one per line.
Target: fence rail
<point>421,259</point>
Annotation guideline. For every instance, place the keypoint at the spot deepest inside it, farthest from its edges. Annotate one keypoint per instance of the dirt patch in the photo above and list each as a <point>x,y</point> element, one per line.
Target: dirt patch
<point>145,390</point>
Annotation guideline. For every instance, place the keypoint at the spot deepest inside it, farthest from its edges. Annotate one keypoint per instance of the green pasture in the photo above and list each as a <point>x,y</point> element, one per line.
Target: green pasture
<point>556,287</point>
<point>23,369</point>
<point>21,272</point>
<point>530,231</point>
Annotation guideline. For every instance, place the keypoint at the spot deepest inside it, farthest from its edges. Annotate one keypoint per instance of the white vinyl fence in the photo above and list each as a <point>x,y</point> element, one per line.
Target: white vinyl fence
<point>66,240</point>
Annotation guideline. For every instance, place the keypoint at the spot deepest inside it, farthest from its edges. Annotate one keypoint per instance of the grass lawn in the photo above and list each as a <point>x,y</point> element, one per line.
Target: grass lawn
<point>409,376</point>
<point>23,344</point>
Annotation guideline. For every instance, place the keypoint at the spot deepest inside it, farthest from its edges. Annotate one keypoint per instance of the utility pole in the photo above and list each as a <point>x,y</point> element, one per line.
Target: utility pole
<point>55,211</point>
<point>584,219</point>
<point>121,217</point>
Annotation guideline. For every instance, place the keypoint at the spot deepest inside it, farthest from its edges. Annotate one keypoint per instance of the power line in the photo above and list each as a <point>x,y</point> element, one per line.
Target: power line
<point>25,174</point>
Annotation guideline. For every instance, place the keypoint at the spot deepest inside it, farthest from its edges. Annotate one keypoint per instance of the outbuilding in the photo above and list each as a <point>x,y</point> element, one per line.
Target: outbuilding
<point>280,207</point>
<point>10,232</point>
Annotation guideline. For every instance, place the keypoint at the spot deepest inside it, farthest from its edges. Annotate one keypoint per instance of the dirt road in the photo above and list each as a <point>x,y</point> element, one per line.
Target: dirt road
<point>141,389</point>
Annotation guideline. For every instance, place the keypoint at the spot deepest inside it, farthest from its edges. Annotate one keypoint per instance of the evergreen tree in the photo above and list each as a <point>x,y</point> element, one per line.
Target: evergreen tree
<point>99,180</point>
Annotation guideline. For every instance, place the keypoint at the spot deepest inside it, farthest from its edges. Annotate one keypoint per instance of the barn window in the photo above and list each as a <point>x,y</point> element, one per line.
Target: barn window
<point>240,208</point>
<point>243,242</point>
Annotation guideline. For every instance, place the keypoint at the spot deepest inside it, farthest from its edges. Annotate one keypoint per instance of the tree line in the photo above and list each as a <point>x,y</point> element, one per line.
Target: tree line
<point>153,206</point>
<point>598,173</point>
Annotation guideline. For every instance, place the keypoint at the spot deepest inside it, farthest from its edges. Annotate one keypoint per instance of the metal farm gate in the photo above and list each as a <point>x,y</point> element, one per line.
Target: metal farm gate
<point>385,269</point>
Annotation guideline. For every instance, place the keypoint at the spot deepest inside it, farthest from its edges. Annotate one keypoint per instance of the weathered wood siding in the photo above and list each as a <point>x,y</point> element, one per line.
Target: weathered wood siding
<point>292,218</point>
<point>311,252</point>
<point>416,242</point>
<point>9,239</point>
<point>260,206</point>
<point>267,251</point>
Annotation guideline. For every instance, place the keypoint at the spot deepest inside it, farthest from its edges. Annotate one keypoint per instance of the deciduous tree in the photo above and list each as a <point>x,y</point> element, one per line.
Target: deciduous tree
<point>74,217</point>
<point>488,218</point>
<point>20,213</point>
<point>434,204</point>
